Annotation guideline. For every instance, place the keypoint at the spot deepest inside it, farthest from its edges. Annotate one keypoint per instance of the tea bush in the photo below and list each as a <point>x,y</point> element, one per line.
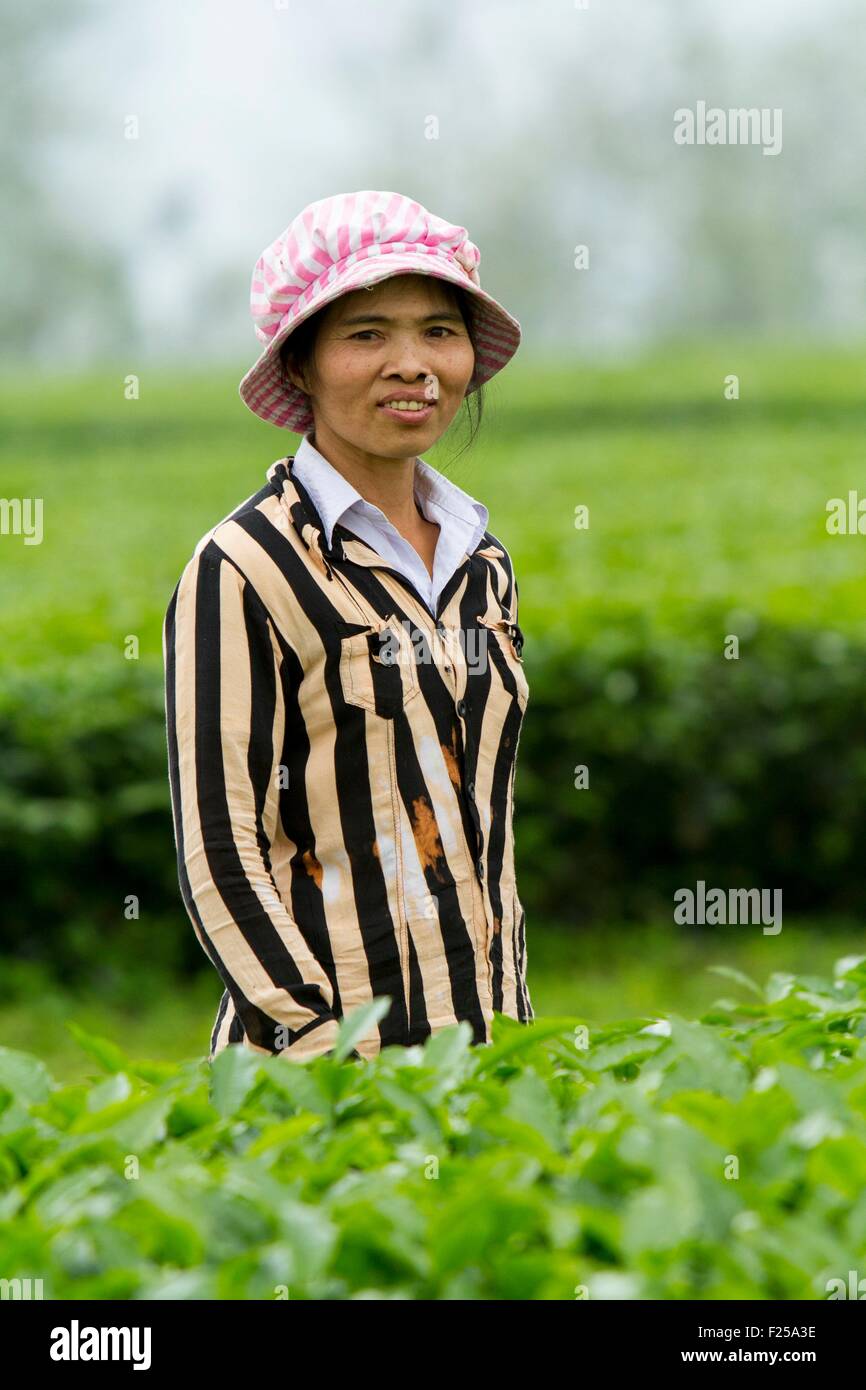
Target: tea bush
<point>668,1158</point>
<point>747,773</point>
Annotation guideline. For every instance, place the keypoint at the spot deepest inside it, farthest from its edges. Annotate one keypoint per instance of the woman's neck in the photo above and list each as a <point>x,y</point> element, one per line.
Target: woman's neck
<point>386,483</point>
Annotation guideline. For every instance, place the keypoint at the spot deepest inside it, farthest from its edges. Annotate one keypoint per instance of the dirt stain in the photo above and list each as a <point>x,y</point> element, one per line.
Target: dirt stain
<point>426,833</point>
<point>313,867</point>
<point>449,753</point>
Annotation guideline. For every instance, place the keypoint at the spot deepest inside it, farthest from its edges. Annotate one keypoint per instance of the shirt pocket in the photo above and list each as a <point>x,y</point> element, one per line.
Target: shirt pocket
<point>378,670</point>
<point>506,655</point>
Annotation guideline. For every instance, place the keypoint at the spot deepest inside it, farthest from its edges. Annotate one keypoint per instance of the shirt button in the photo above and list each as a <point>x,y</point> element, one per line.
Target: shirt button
<point>470,791</point>
<point>461,708</point>
<point>480,867</point>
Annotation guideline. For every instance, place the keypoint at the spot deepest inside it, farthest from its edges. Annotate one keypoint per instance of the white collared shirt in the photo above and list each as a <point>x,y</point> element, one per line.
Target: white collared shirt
<point>462,520</point>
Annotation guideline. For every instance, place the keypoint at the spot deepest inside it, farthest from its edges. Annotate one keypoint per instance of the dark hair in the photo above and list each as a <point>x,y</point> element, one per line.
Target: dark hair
<point>300,346</point>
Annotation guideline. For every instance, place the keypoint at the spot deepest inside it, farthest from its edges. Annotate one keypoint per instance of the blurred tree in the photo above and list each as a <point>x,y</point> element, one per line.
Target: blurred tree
<point>65,293</point>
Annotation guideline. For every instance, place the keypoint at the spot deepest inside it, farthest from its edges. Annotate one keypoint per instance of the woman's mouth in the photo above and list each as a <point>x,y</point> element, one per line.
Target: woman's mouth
<point>408,412</point>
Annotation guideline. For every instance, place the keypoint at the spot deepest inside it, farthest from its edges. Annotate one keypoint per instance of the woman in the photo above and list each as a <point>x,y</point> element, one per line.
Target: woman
<point>344,671</point>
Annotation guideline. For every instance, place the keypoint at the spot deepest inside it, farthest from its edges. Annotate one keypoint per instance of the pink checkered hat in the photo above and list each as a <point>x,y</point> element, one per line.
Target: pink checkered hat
<point>340,244</point>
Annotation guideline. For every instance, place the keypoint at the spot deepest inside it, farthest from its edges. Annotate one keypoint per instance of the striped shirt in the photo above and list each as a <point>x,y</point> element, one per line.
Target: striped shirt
<point>460,518</point>
<point>341,763</point>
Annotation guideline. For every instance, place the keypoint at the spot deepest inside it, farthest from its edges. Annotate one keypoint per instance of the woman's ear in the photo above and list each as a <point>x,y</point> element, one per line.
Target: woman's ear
<point>292,375</point>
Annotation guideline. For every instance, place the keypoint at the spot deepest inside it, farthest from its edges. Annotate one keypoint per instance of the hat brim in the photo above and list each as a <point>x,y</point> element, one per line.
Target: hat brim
<point>266,393</point>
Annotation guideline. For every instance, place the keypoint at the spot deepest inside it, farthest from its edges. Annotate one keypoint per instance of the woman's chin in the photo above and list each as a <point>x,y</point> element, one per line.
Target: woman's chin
<point>395,438</point>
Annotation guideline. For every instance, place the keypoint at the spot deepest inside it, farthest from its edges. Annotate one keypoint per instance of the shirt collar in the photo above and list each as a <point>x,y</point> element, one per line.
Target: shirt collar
<point>333,495</point>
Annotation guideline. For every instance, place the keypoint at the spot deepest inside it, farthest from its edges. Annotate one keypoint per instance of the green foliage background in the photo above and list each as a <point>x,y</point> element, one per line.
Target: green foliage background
<point>707,516</point>
<point>563,1171</point>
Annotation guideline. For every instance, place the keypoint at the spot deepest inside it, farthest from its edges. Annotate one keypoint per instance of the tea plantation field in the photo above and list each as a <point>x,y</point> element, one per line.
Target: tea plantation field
<point>657,1157</point>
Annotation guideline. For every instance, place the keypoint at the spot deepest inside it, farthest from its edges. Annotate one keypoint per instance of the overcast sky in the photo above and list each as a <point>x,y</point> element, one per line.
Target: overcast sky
<point>555,129</point>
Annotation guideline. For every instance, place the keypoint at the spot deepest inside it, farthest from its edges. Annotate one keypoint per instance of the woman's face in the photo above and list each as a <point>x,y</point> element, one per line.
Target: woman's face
<point>404,335</point>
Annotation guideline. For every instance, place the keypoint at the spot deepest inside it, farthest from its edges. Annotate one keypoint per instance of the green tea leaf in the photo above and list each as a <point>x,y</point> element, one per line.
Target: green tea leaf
<point>25,1077</point>
<point>234,1073</point>
<point>358,1023</point>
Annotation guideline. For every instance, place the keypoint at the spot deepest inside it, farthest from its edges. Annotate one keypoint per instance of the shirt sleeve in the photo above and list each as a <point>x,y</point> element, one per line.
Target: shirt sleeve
<point>225,721</point>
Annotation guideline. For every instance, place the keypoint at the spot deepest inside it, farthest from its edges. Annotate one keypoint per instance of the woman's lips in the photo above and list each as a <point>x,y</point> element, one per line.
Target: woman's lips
<point>412,417</point>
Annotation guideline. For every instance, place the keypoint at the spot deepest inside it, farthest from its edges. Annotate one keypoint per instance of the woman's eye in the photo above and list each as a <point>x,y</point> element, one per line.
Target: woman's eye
<point>437,328</point>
